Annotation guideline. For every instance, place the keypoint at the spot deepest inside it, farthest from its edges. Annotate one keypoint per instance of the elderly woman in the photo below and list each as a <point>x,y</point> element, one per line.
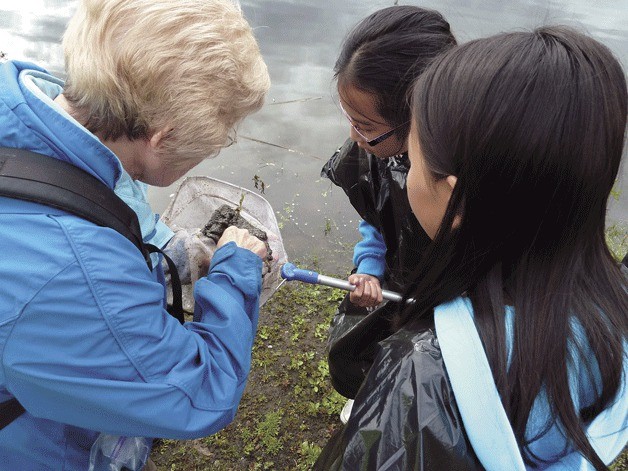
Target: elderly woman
<point>154,87</point>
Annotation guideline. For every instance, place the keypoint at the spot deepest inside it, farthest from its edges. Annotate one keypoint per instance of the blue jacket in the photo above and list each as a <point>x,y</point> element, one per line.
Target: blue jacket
<point>482,412</point>
<point>369,254</point>
<point>85,343</point>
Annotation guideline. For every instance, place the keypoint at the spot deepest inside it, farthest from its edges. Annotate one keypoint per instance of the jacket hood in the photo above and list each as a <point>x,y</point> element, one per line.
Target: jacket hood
<point>29,120</point>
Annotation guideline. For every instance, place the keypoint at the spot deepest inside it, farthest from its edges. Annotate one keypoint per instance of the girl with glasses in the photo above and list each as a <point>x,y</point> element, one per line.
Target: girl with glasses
<point>378,62</point>
<point>510,177</point>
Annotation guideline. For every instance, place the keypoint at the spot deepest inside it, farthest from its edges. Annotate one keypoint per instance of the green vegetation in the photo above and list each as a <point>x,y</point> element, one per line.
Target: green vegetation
<point>621,464</point>
<point>617,233</point>
<point>617,240</point>
<point>259,184</point>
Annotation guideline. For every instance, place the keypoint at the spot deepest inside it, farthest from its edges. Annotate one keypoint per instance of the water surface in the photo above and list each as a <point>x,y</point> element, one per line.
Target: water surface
<point>288,141</point>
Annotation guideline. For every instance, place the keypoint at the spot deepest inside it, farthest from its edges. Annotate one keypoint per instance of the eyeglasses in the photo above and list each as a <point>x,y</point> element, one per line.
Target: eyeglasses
<point>373,142</point>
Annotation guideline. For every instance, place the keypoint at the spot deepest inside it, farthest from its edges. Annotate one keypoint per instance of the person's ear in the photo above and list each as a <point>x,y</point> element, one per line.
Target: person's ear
<point>451,180</point>
<point>150,155</point>
<point>157,139</point>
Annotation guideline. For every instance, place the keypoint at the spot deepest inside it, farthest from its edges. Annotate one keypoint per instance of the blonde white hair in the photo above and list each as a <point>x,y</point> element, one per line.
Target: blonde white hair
<point>135,67</point>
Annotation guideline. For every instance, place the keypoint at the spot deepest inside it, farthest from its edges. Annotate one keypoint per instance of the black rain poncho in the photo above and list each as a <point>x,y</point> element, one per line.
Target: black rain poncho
<point>377,190</point>
<point>404,416</point>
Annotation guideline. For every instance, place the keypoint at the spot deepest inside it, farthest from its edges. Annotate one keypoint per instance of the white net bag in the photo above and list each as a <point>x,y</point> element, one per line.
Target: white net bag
<point>193,204</point>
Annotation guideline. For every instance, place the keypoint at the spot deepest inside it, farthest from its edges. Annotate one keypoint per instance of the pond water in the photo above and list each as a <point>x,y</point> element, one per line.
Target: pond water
<point>285,145</point>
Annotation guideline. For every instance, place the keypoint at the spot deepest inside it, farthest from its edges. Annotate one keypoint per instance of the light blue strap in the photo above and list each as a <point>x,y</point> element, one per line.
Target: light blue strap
<point>482,413</point>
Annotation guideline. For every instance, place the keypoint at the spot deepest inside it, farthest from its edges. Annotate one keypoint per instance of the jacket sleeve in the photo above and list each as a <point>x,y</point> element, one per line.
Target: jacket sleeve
<point>94,347</point>
<point>369,254</point>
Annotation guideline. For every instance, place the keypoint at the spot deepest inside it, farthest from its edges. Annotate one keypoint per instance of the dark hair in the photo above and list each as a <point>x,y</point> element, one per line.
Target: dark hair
<point>532,125</point>
<point>387,51</point>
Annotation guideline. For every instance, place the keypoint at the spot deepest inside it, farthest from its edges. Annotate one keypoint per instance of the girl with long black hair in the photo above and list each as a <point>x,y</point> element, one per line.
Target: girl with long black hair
<point>515,144</point>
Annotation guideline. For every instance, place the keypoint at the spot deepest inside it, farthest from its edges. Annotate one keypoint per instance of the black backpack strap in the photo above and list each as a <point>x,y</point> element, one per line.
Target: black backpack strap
<point>176,309</point>
<point>9,411</point>
<point>33,177</point>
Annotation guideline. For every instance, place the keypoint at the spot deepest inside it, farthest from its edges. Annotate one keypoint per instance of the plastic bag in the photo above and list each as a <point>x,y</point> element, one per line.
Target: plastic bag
<point>353,344</point>
<point>116,453</point>
<point>404,416</point>
<point>193,204</point>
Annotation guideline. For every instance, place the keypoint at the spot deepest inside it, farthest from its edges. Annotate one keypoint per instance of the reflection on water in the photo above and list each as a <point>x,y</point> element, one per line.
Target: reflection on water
<point>287,142</point>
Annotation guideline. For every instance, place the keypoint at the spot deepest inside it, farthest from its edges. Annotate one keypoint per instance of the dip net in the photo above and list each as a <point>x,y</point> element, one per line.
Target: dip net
<point>192,206</point>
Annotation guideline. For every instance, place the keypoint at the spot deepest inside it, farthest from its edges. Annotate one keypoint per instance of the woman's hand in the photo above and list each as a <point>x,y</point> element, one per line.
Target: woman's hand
<point>243,239</point>
<point>368,292</point>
